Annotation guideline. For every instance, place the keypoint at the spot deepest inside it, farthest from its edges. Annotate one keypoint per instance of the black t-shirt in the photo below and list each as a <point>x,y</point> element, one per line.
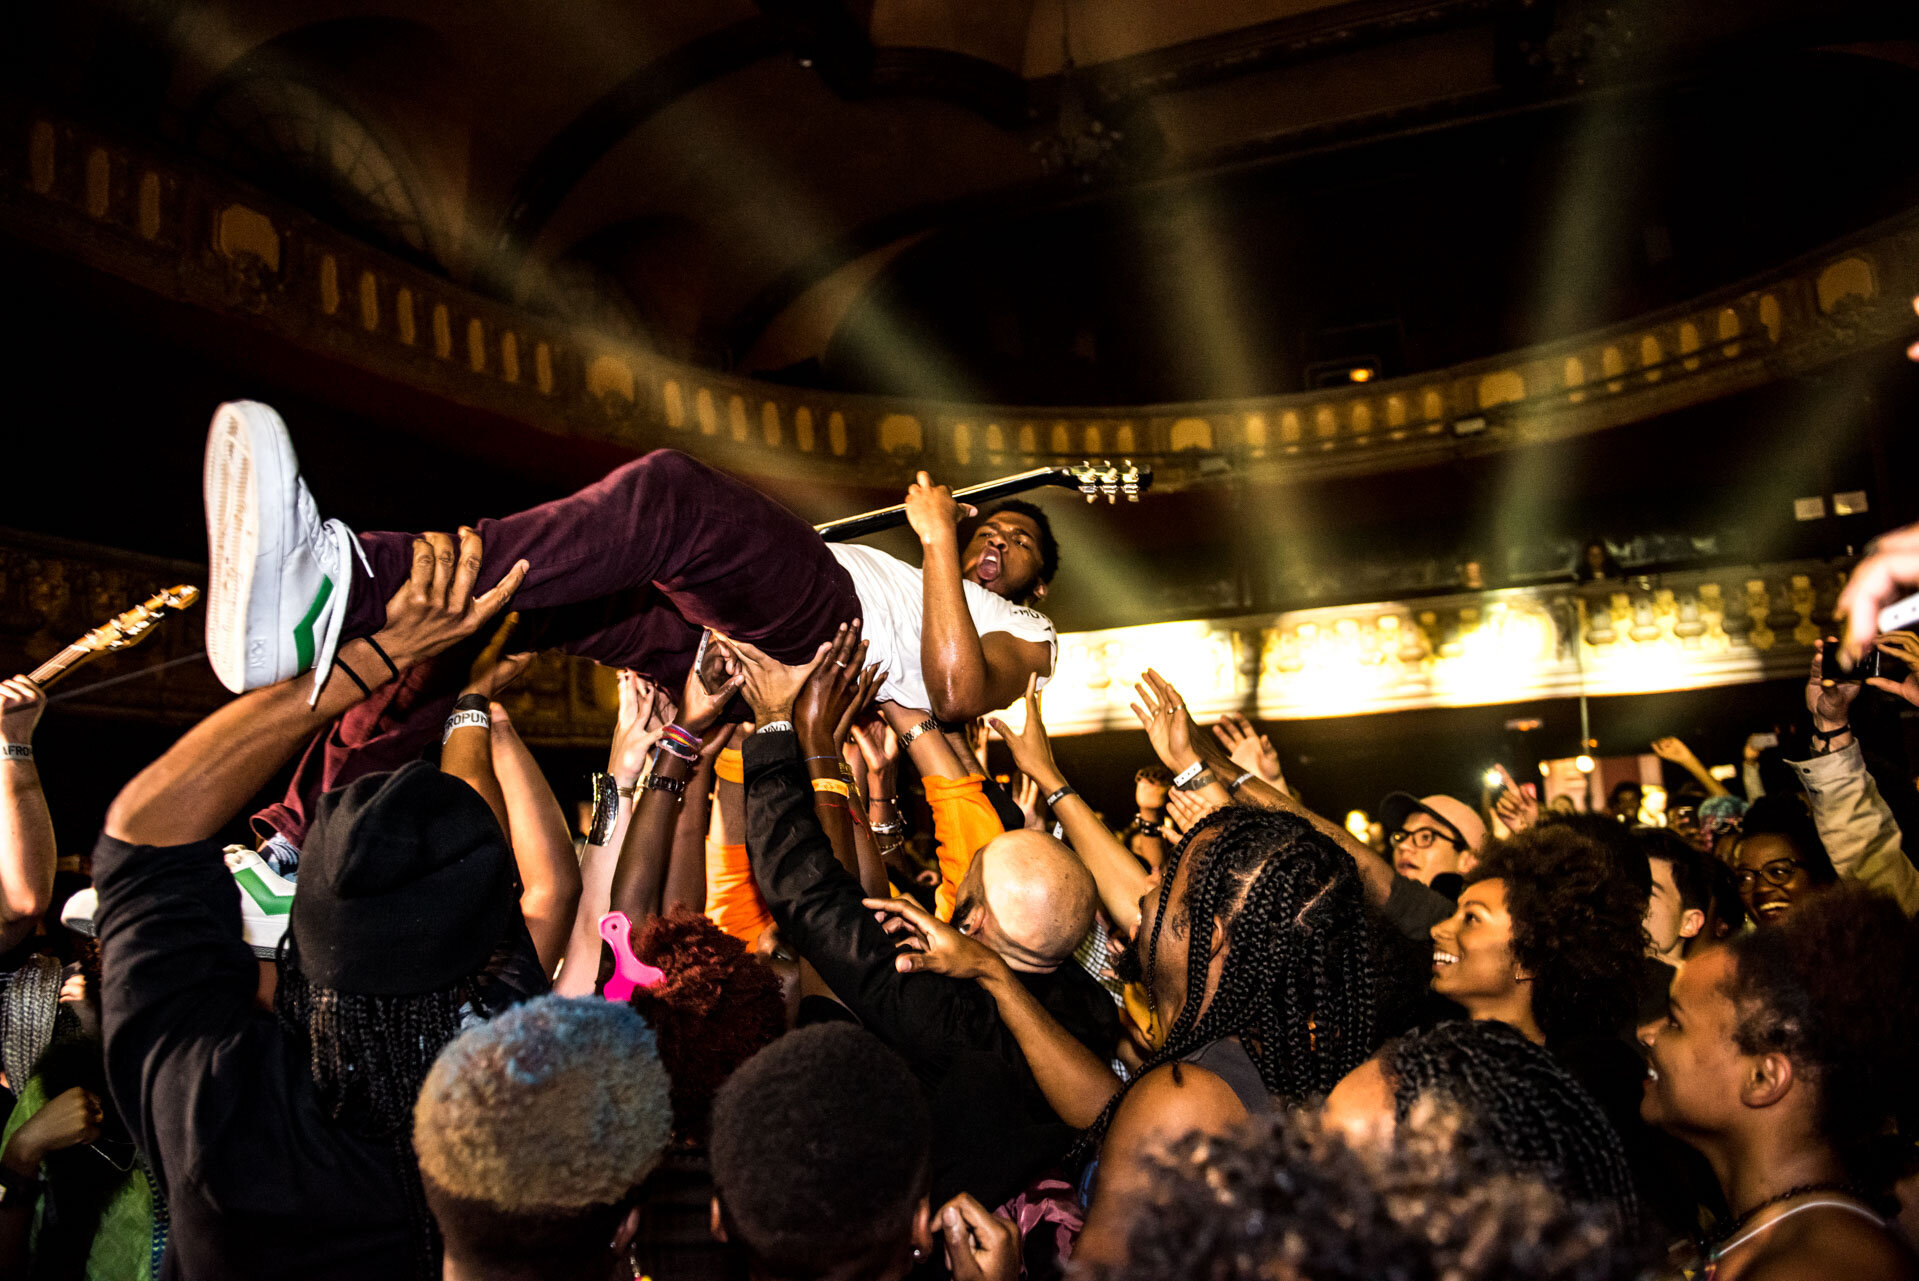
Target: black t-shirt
<point>260,1181</point>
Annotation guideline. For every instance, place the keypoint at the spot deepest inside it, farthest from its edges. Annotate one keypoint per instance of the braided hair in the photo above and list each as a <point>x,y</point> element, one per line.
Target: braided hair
<point>1297,986</point>
<point>1518,1104</point>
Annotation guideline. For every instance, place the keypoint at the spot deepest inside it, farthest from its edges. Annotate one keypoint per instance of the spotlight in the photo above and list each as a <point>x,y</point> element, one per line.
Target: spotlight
<point>1584,763</point>
<point>1491,778</point>
<point>1358,823</point>
<point>1360,374</point>
<point>1545,770</point>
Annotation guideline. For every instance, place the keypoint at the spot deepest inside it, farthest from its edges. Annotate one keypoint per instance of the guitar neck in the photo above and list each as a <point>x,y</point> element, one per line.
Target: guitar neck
<point>60,665</point>
<point>840,531</point>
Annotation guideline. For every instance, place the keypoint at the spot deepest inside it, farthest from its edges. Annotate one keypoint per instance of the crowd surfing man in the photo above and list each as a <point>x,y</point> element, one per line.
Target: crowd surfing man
<point>282,1134</point>
<point>627,571</point>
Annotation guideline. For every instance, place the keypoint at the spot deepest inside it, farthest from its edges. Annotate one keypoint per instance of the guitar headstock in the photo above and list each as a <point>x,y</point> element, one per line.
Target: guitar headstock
<point>1097,477</point>
<point>132,627</point>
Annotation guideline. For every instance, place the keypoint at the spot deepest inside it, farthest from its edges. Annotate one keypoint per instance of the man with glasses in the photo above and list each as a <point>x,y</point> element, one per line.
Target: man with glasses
<point>1432,842</point>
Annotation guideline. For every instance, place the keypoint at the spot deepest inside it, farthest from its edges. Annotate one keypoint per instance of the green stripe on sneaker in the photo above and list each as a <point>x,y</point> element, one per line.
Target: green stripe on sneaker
<point>303,630</point>
<point>263,897</point>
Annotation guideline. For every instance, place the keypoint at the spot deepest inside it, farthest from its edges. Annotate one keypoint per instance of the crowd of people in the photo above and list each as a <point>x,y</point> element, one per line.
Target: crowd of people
<point>816,995</point>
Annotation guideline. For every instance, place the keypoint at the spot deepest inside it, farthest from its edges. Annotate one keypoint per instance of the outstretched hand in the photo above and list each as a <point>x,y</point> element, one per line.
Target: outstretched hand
<point>1903,646</point>
<point>933,512</point>
<point>701,710</point>
<point>1515,807</point>
<point>769,685</point>
<point>21,702</point>
<point>929,945</point>
<point>437,609</point>
<point>836,691</point>
<point>1168,724</point>
<point>1247,749</point>
<point>1032,750</point>
<point>1830,704</point>
<point>645,712</point>
<point>1185,810</point>
<point>1888,572</point>
<point>495,669</point>
<point>1026,796</point>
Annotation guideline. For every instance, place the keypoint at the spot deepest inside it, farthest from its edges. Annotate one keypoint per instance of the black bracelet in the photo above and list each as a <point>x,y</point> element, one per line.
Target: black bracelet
<point>472,703</point>
<point>1059,796</point>
<point>658,782</point>
<point>352,675</point>
<point>384,656</point>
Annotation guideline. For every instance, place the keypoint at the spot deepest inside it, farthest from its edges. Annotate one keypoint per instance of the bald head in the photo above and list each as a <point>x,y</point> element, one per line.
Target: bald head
<point>1039,897</point>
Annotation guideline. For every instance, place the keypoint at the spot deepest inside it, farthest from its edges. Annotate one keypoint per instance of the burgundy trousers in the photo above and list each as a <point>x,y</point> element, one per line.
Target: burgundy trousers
<point>627,571</point>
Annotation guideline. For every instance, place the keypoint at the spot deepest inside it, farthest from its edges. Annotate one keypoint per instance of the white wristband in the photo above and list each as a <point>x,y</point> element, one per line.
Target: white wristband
<point>460,720</point>
<point>1188,774</point>
<point>16,751</point>
<point>774,727</point>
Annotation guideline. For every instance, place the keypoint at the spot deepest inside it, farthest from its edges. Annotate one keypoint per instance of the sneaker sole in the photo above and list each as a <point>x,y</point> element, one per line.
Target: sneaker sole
<point>249,456</point>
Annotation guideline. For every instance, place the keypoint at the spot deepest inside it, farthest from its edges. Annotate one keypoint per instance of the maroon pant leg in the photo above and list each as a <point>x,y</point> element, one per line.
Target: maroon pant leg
<point>627,572</point>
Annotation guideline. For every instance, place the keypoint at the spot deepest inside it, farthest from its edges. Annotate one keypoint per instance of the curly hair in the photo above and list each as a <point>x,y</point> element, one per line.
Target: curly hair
<point>1517,1104</point>
<point>1788,819</point>
<point>1282,1200</point>
<point>718,1006</point>
<point>1298,983</point>
<point>821,1151</point>
<point>1578,927</point>
<point>1832,986</point>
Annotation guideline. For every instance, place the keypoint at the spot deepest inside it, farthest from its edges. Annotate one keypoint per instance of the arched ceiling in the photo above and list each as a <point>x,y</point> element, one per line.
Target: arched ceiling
<point>764,186</point>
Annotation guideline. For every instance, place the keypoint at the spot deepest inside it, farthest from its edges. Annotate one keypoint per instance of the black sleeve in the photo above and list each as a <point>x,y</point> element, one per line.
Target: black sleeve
<point>1413,909</point>
<point>816,903</point>
<point>185,1044</point>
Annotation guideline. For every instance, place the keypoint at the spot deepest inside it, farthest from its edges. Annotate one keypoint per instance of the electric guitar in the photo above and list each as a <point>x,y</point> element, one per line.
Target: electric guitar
<point>1093,478</point>
<point>123,632</point>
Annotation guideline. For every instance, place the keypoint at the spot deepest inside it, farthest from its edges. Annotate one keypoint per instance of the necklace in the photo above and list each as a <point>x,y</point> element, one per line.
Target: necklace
<point>1720,1234</point>
<point>1714,1256</point>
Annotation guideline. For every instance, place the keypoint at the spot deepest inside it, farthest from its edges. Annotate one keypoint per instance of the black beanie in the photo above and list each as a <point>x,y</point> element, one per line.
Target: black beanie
<point>405,885</point>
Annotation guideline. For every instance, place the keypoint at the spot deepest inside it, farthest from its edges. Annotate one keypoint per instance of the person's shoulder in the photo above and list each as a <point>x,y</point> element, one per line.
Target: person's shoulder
<point>1179,1097</point>
<point>1833,1243</point>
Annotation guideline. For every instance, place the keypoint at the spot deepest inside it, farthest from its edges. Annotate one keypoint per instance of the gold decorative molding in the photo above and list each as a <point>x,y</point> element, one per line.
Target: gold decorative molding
<point>181,231</point>
<point>1693,630</point>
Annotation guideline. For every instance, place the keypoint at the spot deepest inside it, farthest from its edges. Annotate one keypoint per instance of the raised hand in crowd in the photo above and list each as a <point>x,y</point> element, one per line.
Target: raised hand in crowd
<point>1674,750</point>
<point>438,607</point>
<point>542,845</point>
<point>1185,810</point>
<point>1249,750</point>
<point>1903,646</point>
<point>1026,796</point>
<point>28,853</point>
<point>645,712</point>
<point>1889,572</point>
<point>980,1245</point>
<point>700,708</point>
<point>836,693</point>
<point>467,753</point>
<point>879,746</point>
<point>929,945</point>
<point>1516,808</point>
<point>768,685</point>
<point>1830,702</point>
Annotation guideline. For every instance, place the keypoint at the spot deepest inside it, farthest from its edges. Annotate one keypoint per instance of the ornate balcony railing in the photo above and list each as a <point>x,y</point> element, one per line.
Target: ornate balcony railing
<point>198,237</point>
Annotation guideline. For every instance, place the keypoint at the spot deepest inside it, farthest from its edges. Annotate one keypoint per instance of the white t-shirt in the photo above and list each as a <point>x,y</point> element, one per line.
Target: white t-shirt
<point>893,606</point>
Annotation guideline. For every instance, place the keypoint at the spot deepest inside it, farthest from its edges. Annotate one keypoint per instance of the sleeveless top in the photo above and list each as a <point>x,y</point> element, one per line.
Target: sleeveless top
<point>1228,1060</point>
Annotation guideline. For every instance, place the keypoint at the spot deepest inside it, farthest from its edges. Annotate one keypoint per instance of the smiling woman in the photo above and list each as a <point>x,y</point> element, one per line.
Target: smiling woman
<point>1778,858</point>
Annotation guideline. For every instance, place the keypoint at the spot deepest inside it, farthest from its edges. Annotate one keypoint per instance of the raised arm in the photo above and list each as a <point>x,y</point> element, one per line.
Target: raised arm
<point>1116,872</point>
<point>542,846</point>
<point>27,851</point>
<point>967,676</point>
<point>1674,750</point>
<point>1076,1083</point>
<point>644,715</point>
<point>467,752</point>
<point>639,879</point>
<point>198,785</point>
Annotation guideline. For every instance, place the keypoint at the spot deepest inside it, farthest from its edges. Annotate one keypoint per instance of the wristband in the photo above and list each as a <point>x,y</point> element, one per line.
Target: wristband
<point>657,782</point>
<point>1188,774</point>
<point>775,727</point>
<point>16,751</point>
<point>674,749</point>
<point>1241,781</point>
<point>352,675</point>
<point>729,766</point>
<point>885,829</point>
<point>606,809</point>
<point>626,793</point>
<point>384,656</point>
<point>684,737</point>
<point>472,703</point>
<point>1059,796</point>
<point>460,720</point>
<point>832,785</point>
<point>1202,779</point>
<point>906,739</point>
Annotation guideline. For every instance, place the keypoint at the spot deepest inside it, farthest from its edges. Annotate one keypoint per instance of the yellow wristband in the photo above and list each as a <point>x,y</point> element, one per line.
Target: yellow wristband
<point>832,785</point>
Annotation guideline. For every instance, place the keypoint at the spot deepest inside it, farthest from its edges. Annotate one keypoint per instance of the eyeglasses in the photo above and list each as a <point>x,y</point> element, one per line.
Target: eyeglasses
<point>1778,872</point>
<point>1421,838</point>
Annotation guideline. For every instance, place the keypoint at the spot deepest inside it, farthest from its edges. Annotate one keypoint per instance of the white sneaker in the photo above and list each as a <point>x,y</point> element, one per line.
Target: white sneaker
<point>266,903</point>
<point>277,575</point>
<point>266,900</point>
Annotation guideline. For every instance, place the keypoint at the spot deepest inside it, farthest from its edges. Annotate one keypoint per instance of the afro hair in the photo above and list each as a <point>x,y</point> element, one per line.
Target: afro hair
<point>1578,927</point>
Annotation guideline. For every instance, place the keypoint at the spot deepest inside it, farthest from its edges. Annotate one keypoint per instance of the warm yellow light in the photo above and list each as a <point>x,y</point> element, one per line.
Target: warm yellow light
<point>1584,763</point>
<point>1360,374</point>
<point>1545,770</point>
<point>1358,824</point>
<point>1492,778</point>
